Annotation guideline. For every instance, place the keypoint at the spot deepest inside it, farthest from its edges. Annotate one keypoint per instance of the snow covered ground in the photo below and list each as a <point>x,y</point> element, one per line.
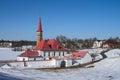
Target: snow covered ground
<point>93,51</point>
<point>107,69</point>
<point>8,54</point>
<point>113,53</point>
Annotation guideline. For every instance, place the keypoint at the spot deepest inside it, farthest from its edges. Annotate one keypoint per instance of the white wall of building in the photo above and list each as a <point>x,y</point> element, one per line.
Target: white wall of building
<point>22,58</point>
<point>97,44</point>
<point>68,62</point>
<point>47,54</point>
<point>86,59</point>
<point>41,64</point>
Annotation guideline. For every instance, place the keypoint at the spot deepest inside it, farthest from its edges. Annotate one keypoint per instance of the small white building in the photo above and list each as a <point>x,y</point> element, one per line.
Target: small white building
<point>29,55</point>
<point>97,44</point>
<point>81,57</point>
<point>5,44</point>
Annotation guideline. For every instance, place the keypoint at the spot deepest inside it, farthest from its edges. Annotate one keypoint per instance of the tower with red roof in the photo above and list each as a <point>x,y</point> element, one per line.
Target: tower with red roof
<point>45,49</point>
<point>39,32</point>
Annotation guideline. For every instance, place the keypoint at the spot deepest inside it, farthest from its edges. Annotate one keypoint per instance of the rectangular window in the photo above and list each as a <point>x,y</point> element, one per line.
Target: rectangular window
<point>54,53</point>
<point>44,53</point>
<point>49,53</point>
<point>59,53</point>
<point>63,53</point>
<point>34,59</point>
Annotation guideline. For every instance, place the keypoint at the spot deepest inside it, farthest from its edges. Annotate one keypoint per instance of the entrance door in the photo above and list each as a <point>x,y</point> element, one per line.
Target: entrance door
<point>63,64</point>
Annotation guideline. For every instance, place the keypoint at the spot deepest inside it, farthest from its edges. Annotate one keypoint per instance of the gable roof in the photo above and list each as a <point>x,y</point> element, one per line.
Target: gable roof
<point>50,44</point>
<point>80,54</point>
<point>29,53</point>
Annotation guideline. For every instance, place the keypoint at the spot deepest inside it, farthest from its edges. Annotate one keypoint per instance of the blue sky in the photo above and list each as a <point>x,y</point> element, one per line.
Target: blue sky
<point>71,18</point>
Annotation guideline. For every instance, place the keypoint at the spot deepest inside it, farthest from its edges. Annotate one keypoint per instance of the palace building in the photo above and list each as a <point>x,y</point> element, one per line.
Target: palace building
<point>45,49</point>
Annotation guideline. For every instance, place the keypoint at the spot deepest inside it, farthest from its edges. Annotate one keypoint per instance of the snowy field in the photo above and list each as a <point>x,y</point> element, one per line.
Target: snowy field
<point>8,54</point>
<point>107,69</point>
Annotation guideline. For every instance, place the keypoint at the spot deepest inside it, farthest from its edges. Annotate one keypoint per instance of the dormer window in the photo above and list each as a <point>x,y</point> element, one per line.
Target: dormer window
<point>50,46</point>
<point>60,47</point>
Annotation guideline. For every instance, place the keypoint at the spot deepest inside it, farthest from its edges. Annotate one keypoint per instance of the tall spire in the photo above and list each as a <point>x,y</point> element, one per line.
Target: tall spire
<point>39,26</point>
<point>39,32</point>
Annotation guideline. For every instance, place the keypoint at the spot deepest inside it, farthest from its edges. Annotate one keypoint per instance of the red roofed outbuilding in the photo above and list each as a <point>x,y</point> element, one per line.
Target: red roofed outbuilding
<point>78,55</point>
<point>29,53</point>
<point>81,57</point>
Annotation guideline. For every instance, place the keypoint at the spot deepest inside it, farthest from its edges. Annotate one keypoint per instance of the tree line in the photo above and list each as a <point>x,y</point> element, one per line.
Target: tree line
<point>76,44</point>
<point>19,43</point>
<point>71,44</point>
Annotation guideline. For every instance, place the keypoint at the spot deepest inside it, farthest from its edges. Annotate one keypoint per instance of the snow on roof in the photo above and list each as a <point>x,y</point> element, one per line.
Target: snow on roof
<point>50,44</point>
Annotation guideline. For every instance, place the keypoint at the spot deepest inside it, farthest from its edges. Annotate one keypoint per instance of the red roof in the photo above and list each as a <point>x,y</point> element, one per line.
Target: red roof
<point>80,54</point>
<point>39,26</point>
<point>51,44</point>
<point>54,57</point>
<point>29,53</point>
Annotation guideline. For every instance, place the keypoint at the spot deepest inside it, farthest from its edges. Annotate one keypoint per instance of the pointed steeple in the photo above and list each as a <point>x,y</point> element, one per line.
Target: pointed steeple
<point>39,32</point>
<point>39,26</point>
